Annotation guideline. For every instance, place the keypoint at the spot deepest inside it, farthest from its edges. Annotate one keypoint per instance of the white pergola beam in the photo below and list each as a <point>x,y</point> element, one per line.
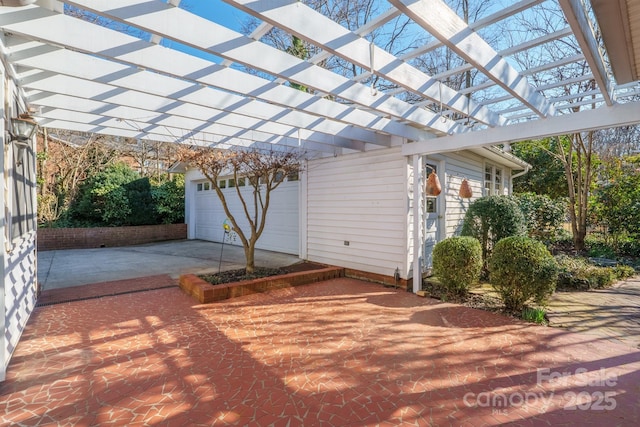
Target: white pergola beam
<point>104,130</point>
<point>583,31</point>
<point>477,25</point>
<point>319,30</point>
<point>601,118</point>
<point>151,89</point>
<point>184,27</point>
<point>115,115</point>
<point>437,18</point>
<point>38,24</point>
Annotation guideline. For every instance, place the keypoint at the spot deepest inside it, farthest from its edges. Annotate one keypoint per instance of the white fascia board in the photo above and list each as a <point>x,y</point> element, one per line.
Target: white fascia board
<point>191,30</point>
<point>39,24</point>
<point>583,32</point>
<point>76,64</point>
<point>601,118</point>
<point>501,157</point>
<point>444,24</point>
<point>319,30</point>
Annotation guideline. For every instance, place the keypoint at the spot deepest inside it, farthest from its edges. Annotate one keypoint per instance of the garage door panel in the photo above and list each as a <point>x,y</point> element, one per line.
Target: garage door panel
<point>281,230</point>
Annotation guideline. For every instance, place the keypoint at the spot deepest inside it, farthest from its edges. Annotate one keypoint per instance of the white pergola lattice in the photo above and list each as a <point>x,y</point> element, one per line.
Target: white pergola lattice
<point>82,76</point>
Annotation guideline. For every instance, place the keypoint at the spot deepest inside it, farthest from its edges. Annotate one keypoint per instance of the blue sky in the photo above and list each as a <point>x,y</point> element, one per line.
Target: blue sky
<point>216,11</point>
<point>213,10</point>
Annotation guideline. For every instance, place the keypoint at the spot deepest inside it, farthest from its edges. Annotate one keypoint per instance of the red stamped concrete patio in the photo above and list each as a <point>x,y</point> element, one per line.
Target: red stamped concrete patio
<point>340,352</point>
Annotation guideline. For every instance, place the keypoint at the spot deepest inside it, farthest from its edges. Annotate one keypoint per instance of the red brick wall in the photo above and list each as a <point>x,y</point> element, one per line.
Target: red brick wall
<point>104,237</point>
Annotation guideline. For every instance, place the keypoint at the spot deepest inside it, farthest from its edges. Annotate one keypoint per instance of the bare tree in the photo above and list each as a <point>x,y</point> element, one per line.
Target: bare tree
<point>263,172</point>
<point>149,156</point>
<point>577,159</point>
<point>65,161</point>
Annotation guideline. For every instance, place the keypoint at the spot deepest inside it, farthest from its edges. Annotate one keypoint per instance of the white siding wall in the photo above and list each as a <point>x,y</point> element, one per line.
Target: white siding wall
<point>206,215</point>
<point>18,289</point>
<point>459,166</point>
<point>360,199</point>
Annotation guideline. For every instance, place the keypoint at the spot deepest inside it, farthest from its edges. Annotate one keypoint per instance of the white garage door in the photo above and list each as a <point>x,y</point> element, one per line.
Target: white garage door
<point>281,231</point>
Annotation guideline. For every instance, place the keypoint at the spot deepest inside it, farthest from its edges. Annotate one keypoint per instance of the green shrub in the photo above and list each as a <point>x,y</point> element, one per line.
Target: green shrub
<point>143,210</point>
<point>457,262</point>
<point>169,200</point>
<point>623,271</point>
<point>102,199</point>
<point>579,274</point>
<point>599,248</point>
<point>118,196</point>
<point>630,247</point>
<point>543,215</point>
<point>492,218</point>
<point>522,269</point>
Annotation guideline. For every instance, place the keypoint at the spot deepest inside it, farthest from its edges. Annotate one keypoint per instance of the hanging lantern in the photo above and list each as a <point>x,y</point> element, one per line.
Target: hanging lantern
<point>433,187</point>
<point>465,189</point>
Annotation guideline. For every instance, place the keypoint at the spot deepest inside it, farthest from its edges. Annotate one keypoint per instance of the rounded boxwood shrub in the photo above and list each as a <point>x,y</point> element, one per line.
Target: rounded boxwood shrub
<point>522,269</point>
<point>457,262</point>
<point>492,218</point>
<point>543,215</point>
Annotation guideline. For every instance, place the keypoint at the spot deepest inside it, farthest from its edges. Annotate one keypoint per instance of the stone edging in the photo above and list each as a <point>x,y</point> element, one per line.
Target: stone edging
<point>205,292</point>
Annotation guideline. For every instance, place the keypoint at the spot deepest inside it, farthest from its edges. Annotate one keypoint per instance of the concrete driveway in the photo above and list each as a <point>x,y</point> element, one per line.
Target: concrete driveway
<point>73,267</point>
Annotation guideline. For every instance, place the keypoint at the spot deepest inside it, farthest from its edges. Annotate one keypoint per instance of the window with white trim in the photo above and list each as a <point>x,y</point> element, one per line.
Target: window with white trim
<point>431,202</point>
<point>493,180</point>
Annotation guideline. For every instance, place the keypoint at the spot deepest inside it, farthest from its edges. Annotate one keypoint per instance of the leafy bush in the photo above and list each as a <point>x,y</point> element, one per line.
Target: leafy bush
<point>118,196</point>
<point>579,274</point>
<point>457,262</point>
<point>616,203</point>
<point>599,248</point>
<point>140,200</point>
<point>623,271</point>
<point>168,198</point>
<point>543,215</point>
<point>522,269</point>
<point>492,218</point>
<point>630,247</point>
<point>102,198</point>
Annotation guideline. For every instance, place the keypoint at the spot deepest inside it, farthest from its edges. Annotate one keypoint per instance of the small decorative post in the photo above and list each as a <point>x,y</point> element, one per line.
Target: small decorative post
<point>227,229</point>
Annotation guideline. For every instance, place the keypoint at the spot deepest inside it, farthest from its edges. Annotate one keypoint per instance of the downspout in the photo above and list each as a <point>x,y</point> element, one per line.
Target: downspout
<point>519,174</point>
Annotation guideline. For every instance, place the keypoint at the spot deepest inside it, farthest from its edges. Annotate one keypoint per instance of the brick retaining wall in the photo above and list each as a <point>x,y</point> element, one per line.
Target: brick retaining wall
<point>104,237</point>
<point>205,293</point>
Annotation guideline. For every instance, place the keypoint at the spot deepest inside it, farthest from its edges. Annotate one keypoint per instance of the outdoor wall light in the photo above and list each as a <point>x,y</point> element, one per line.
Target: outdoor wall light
<point>22,131</point>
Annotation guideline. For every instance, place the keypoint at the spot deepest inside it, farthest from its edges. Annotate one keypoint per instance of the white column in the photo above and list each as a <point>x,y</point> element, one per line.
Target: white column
<point>302,210</point>
<point>3,224</point>
<point>417,222</point>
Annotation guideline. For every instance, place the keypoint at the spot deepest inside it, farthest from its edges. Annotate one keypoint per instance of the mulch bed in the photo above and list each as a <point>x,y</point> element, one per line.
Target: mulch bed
<point>239,275</point>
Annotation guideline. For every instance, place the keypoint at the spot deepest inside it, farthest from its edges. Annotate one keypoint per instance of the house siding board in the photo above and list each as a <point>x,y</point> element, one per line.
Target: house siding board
<point>281,230</point>
<point>359,198</point>
<point>20,289</point>
<point>459,166</point>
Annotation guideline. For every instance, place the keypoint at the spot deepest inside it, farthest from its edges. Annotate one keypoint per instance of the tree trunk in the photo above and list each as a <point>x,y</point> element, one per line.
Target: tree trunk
<point>249,253</point>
